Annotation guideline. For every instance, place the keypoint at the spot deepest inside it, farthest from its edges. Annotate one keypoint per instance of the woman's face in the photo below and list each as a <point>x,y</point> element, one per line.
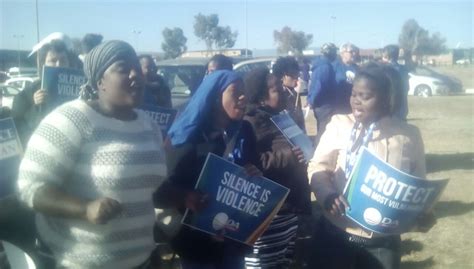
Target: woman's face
<point>275,89</point>
<point>122,83</point>
<point>365,102</point>
<point>234,101</point>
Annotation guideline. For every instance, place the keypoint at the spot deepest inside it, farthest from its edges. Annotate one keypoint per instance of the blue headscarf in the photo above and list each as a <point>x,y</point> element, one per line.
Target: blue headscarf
<point>199,109</point>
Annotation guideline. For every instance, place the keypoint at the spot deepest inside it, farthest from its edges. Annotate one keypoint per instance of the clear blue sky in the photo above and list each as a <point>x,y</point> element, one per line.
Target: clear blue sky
<point>368,24</point>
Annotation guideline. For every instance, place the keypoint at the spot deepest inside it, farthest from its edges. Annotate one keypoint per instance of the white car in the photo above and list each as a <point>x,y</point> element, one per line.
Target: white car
<point>426,82</point>
<point>246,66</point>
<point>20,82</point>
<point>8,93</point>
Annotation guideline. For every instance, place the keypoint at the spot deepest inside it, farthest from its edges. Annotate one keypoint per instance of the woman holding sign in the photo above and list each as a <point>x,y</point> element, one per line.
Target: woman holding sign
<point>29,106</point>
<point>338,241</point>
<point>280,163</point>
<point>211,123</point>
<point>92,165</point>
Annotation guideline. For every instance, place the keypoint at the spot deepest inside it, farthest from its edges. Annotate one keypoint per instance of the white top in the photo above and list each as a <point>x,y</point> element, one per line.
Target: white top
<point>90,156</point>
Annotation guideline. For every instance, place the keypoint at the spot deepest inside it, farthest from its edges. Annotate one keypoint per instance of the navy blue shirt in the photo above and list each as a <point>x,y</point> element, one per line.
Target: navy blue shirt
<point>323,81</point>
<point>344,78</point>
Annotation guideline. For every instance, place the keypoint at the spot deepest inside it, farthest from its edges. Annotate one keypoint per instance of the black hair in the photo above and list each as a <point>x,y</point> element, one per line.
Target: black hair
<point>396,87</point>
<point>89,41</point>
<point>256,85</point>
<point>222,62</point>
<point>148,57</point>
<point>391,52</point>
<point>58,46</point>
<point>382,85</point>
<point>284,66</point>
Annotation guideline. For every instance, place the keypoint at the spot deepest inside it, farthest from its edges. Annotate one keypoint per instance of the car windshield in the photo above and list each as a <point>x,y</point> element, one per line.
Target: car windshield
<point>245,68</point>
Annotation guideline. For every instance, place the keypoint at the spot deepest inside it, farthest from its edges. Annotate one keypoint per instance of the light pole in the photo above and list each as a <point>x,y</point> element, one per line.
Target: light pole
<point>333,19</point>
<point>19,37</point>
<point>246,30</point>
<point>137,33</point>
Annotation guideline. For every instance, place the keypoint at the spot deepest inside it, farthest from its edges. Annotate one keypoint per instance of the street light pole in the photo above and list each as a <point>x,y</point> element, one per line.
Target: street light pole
<point>137,33</point>
<point>333,19</point>
<point>18,37</point>
<point>246,30</point>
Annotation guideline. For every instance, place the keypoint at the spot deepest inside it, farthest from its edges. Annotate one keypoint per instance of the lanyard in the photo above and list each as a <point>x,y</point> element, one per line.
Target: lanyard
<point>351,156</point>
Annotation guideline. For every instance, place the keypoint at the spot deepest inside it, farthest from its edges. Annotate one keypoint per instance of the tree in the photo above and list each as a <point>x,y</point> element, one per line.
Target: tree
<point>291,41</point>
<point>174,43</point>
<point>207,29</point>
<point>415,40</point>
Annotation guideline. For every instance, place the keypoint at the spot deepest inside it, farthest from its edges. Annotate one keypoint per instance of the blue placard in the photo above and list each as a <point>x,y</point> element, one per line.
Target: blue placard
<point>62,84</point>
<point>10,156</point>
<point>386,200</point>
<point>294,134</point>
<point>163,116</point>
<point>240,207</point>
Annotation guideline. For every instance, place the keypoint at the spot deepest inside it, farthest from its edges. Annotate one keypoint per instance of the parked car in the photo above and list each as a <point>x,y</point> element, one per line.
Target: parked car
<point>183,76</point>
<point>427,82</point>
<point>3,76</point>
<point>463,61</point>
<point>246,66</point>
<point>22,72</point>
<point>20,82</point>
<point>8,93</point>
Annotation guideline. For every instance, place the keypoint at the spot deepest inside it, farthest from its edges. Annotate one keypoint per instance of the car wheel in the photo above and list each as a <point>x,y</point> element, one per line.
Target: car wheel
<point>423,90</point>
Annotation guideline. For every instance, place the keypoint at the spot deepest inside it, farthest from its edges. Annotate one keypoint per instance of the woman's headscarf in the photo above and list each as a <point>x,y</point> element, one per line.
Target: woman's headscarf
<point>98,60</point>
<point>199,108</point>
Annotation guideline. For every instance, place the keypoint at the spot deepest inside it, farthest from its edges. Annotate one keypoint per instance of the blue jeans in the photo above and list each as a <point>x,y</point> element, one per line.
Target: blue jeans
<point>330,250</point>
<point>228,261</point>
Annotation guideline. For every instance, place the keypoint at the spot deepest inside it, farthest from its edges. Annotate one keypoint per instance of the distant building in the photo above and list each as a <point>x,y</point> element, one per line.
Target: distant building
<point>15,58</point>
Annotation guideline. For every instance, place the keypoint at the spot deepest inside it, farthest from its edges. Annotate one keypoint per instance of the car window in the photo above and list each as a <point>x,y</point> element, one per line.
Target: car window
<point>16,84</point>
<point>182,80</point>
<point>10,91</point>
<point>243,69</point>
<point>424,72</point>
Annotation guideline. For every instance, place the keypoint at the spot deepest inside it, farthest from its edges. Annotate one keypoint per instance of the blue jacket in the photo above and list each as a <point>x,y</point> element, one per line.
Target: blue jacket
<point>323,81</point>
<point>344,84</point>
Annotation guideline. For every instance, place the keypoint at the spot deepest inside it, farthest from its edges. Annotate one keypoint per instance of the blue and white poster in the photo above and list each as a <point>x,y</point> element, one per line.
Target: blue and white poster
<point>386,200</point>
<point>10,156</point>
<point>240,207</point>
<point>62,84</point>
<point>294,134</point>
<point>163,116</point>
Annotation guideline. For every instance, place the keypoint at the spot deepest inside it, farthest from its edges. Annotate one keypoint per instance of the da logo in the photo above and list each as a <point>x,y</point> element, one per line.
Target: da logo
<point>372,216</point>
<point>222,222</point>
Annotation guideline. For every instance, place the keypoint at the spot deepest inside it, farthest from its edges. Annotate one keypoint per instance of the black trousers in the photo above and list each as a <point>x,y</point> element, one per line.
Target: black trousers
<point>323,115</point>
<point>332,248</point>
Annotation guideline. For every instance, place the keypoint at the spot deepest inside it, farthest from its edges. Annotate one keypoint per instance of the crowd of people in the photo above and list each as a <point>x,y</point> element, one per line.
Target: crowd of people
<point>94,169</point>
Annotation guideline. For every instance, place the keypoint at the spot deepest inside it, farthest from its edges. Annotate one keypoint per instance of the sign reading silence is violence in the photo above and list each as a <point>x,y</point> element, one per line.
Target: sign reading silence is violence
<point>240,207</point>
<point>62,84</point>
<point>386,200</point>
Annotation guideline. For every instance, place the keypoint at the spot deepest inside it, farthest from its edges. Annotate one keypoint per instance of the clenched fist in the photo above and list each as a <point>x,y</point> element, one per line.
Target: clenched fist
<point>102,210</point>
